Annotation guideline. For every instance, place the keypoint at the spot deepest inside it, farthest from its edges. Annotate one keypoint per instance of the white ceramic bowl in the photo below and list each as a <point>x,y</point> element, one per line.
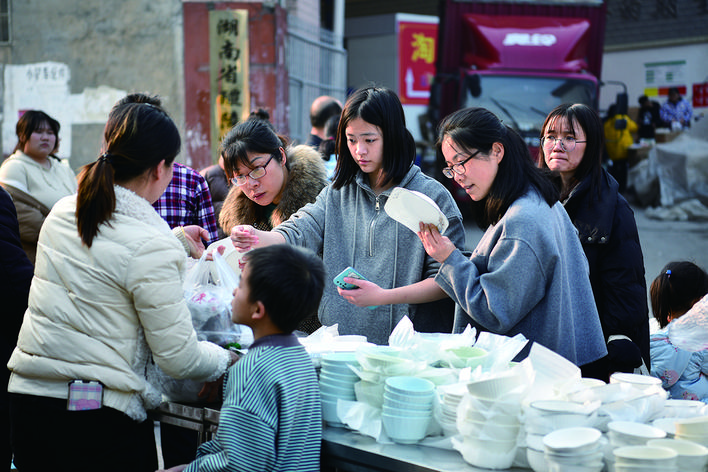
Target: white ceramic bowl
<point>642,382</point>
<point>339,358</point>
<point>406,405</point>
<point>340,375</point>
<point>495,388</point>
<point>406,412</point>
<point>697,426</point>
<point>628,433</point>
<point>338,381</point>
<point>405,430</point>
<point>488,430</point>
<point>329,412</point>
<point>572,440</point>
<point>696,438</point>
<point>410,386</point>
<point>467,356</point>
<point>537,460</point>
<point>691,456</point>
<point>676,407</point>
<point>646,456</point>
<point>333,398</point>
<point>421,399</point>
<point>487,455</point>
<point>326,387</point>
<point>667,424</point>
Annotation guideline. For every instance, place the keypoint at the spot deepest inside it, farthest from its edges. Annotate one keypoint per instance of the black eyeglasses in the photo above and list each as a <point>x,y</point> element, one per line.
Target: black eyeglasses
<point>458,168</point>
<point>255,174</point>
<point>567,144</point>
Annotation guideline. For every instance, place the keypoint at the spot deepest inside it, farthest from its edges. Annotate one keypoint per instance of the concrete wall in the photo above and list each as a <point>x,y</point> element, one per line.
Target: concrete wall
<point>108,48</point>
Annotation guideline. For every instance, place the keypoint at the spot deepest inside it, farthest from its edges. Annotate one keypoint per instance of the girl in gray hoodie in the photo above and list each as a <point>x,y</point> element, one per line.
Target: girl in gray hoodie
<point>348,227</point>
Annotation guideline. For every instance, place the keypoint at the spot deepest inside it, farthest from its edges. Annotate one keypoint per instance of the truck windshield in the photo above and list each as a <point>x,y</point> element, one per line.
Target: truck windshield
<point>523,102</point>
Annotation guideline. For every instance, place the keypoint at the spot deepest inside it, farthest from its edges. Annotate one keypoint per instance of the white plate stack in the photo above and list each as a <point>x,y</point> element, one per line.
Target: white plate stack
<point>546,416</point>
<point>407,408</point>
<point>337,381</point>
<point>645,459</point>
<point>693,429</point>
<point>574,450</point>
<point>488,418</point>
<point>450,397</point>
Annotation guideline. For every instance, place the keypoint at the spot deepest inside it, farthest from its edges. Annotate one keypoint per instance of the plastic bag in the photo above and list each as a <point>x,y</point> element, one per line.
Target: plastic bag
<point>208,290</point>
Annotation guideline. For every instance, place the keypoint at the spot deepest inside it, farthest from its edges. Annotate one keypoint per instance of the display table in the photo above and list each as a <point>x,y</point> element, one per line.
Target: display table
<point>347,451</point>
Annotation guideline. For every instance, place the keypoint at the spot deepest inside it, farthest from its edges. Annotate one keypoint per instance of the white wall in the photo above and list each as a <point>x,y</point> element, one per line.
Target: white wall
<point>629,67</point>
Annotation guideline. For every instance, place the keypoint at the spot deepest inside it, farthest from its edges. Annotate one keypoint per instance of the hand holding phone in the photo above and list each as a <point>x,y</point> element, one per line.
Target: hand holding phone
<point>349,272</point>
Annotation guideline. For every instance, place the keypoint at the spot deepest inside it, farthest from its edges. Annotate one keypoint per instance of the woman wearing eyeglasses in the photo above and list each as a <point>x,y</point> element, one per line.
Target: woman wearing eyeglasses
<point>571,147</point>
<point>348,226</point>
<point>528,274</point>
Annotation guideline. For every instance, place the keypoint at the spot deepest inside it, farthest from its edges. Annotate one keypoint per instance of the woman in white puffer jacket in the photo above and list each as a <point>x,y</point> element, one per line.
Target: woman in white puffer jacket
<point>106,302</point>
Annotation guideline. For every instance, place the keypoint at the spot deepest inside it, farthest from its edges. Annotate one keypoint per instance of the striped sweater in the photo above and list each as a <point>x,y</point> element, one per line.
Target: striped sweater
<point>271,418</point>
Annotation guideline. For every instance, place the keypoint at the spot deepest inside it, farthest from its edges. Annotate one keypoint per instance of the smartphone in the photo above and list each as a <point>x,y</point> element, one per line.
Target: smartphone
<point>85,395</point>
<point>348,272</point>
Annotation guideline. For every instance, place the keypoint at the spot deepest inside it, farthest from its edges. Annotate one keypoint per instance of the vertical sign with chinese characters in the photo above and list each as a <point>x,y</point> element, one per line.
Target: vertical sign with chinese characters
<point>228,61</point>
<point>416,61</point>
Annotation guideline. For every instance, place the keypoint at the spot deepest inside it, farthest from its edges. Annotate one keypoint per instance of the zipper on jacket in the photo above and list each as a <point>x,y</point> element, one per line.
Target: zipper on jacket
<point>371,227</point>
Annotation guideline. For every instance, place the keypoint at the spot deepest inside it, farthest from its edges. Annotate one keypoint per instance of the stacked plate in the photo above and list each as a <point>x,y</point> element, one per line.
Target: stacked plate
<point>450,397</point>
<point>407,408</point>
<point>693,429</point>
<point>692,457</point>
<point>627,433</point>
<point>337,381</point>
<point>488,418</point>
<point>546,416</point>
<point>570,449</point>
<point>645,459</point>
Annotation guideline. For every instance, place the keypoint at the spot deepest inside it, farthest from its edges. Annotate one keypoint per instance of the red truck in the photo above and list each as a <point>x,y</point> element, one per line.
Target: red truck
<point>518,59</point>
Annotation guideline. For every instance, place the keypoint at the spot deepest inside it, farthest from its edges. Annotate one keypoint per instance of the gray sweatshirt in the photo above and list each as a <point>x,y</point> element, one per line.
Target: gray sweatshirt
<point>349,227</point>
<point>529,275</point>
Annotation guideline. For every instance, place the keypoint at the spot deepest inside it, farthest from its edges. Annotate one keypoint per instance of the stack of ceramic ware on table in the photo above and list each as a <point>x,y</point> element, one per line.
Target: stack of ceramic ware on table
<point>677,410</point>
<point>693,429</point>
<point>692,457</point>
<point>488,419</point>
<point>546,416</point>
<point>628,433</point>
<point>645,459</point>
<point>407,408</point>
<point>375,364</point>
<point>570,450</point>
<point>337,381</point>
<point>449,397</point>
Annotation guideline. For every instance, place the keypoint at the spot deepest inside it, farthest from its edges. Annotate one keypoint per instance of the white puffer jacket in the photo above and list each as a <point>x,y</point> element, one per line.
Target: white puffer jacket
<point>102,313</point>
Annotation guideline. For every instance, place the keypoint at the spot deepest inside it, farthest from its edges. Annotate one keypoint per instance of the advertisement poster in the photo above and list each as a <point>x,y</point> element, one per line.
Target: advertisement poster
<point>417,44</point>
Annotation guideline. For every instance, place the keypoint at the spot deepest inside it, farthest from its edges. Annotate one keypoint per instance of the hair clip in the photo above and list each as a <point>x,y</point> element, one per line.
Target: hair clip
<point>668,273</point>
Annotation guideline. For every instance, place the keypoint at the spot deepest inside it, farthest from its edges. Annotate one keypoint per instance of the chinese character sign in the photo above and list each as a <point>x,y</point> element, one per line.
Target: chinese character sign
<point>228,62</point>
<point>416,61</point>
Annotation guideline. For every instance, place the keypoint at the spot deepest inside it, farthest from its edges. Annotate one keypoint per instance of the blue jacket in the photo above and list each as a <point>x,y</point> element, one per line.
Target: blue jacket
<point>528,275</point>
<point>682,373</point>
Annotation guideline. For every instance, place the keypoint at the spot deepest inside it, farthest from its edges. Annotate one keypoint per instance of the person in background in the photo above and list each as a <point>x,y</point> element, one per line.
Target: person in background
<point>105,303</point>
<point>321,110</point>
<point>571,147</point>
<point>15,277</point>
<point>347,226</point>
<point>649,118</point>
<point>271,417</point>
<point>673,292</point>
<point>219,186</point>
<point>33,175</point>
<point>528,274</point>
<point>328,146</point>
<point>618,138</point>
<point>676,111</point>
<point>187,201</point>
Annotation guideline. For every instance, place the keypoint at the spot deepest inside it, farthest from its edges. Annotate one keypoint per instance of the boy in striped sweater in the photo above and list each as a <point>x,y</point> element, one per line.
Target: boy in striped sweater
<point>271,417</point>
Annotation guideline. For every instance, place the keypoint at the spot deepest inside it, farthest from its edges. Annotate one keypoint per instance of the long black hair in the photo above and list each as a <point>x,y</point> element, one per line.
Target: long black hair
<point>380,107</point>
<point>473,129</point>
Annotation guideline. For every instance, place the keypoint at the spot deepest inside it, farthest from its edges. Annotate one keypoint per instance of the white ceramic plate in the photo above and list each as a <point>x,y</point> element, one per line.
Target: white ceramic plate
<point>409,208</point>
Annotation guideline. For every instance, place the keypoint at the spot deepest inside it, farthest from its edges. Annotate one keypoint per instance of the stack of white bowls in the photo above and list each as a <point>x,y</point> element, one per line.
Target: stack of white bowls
<point>450,397</point>
<point>571,450</point>
<point>645,459</point>
<point>692,457</point>
<point>488,419</point>
<point>693,429</point>
<point>407,408</point>
<point>337,381</point>
<point>546,416</point>
<point>628,433</point>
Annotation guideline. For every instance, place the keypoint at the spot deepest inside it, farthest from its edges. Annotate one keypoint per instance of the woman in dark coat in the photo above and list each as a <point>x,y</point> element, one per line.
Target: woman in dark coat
<point>571,146</point>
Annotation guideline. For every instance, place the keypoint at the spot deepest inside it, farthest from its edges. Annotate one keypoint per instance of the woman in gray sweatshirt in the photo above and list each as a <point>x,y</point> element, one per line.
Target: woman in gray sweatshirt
<point>528,274</point>
<point>348,226</point>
